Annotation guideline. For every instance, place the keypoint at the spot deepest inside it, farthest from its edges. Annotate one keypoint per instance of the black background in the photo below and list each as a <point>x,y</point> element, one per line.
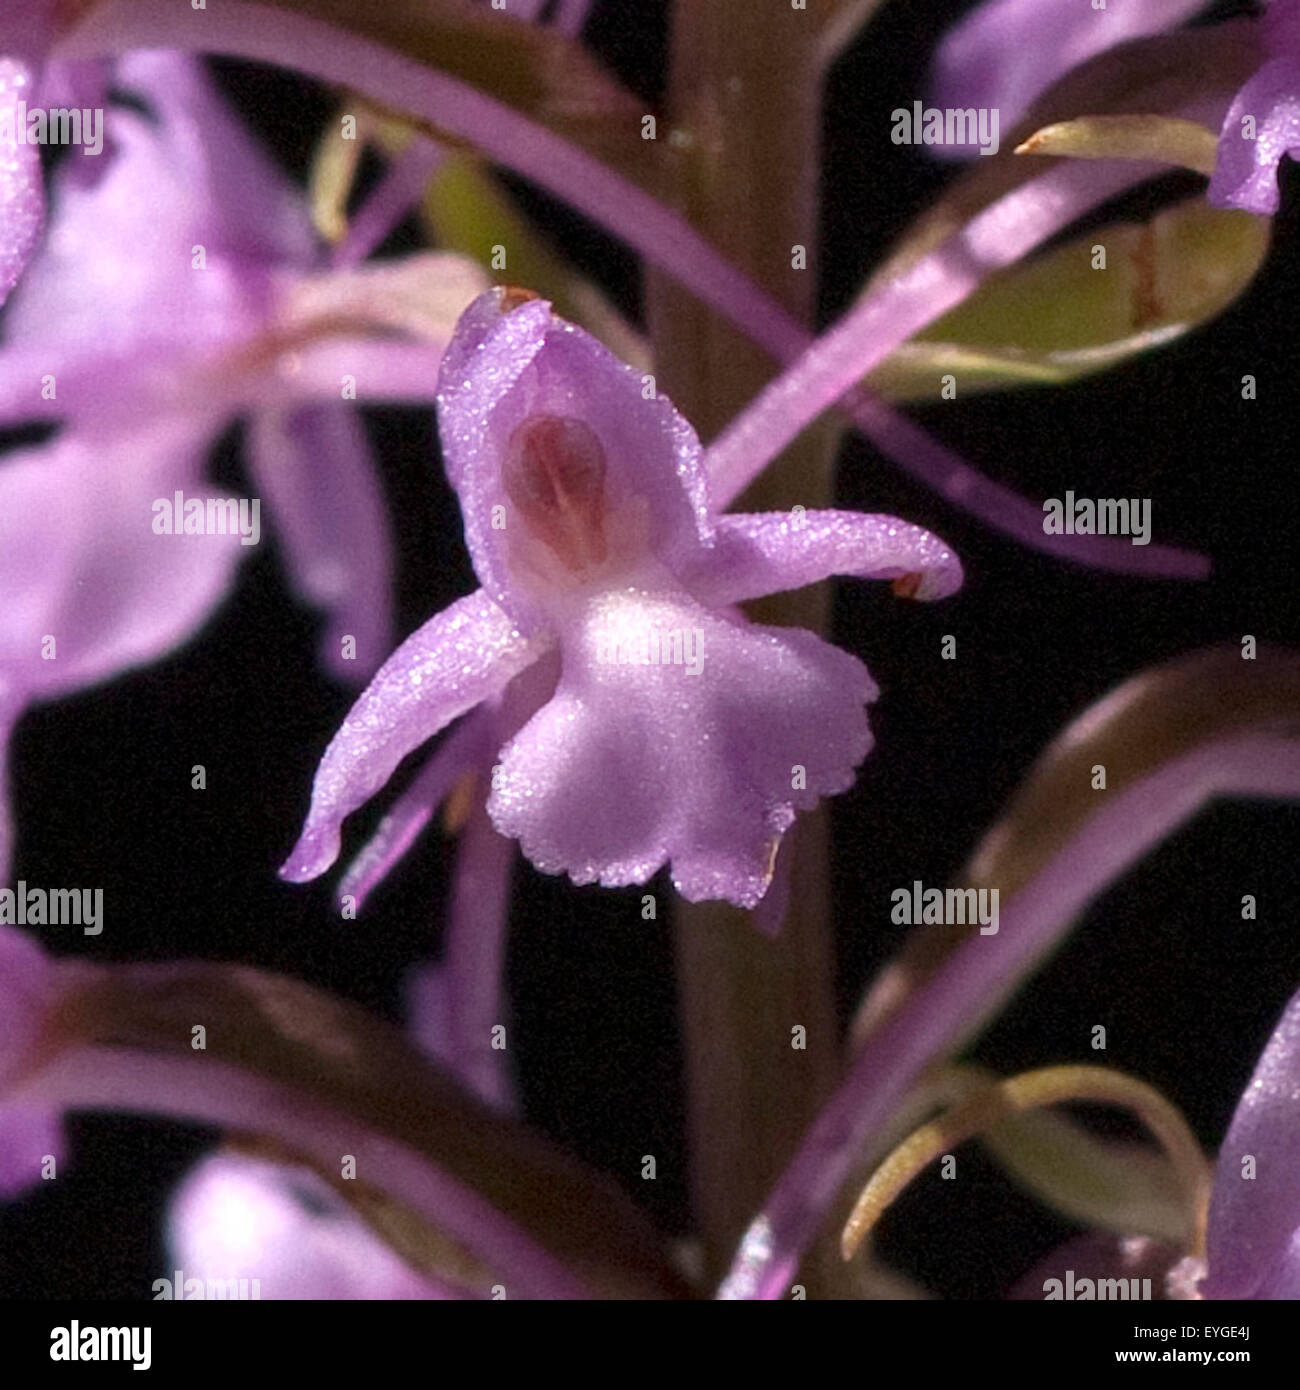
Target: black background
<point>1187,990</point>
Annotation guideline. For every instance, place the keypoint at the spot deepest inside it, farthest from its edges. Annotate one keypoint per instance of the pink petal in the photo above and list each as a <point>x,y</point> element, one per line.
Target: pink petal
<point>1282,1282</point>
<point>76,518</point>
<point>118,268</point>
<point>1253,1218</point>
<point>384,371</point>
<point>768,552</point>
<point>1245,175</point>
<point>629,766</point>
<point>464,655</point>
<point>314,470</point>
<point>22,199</point>
<point>248,207</point>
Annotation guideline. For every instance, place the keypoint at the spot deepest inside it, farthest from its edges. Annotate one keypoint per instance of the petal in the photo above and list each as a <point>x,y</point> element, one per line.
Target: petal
<point>422,296</point>
<point>119,267</point>
<point>462,750</point>
<point>10,710</point>
<point>383,370</point>
<point>464,655</point>
<point>238,1218</point>
<point>77,516</point>
<point>1255,1208</point>
<point>116,272</point>
<point>247,206</point>
<point>1246,173</point>
<point>315,470</point>
<point>695,759</point>
<point>1005,52</point>
<point>29,30</point>
<point>1283,1281</point>
<point>767,552</point>
<point>22,198</point>
<point>29,1134</point>
<point>504,365</point>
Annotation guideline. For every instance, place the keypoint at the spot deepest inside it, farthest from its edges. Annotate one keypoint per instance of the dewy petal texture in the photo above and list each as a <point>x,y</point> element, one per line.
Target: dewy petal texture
<point>502,369</point>
<point>1255,1209</point>
<point>459,658</point>
<point>760,554</point>
<point>641,757</point>
<point>88,589</point>
<point>675,731</point>
<point>1262,124</point>
<point>184,282</point>
<point>22,201</point>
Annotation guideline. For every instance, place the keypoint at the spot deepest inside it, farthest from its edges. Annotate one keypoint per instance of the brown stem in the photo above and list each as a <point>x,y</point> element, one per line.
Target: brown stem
<point>744,107</point>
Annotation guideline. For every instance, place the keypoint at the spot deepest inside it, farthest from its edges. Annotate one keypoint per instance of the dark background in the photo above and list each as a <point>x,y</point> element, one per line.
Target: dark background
<point>1187,990</point>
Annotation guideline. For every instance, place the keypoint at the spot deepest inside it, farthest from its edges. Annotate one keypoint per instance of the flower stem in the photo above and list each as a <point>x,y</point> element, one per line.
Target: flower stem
<point>744,126</point>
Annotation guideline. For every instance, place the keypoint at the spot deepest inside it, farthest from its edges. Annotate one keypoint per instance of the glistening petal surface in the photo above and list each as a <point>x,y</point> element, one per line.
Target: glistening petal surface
<point>632,765</point>
<point>1262,124</point>
<point>1255,1209</point>
<point>760,553</point>
<point>22,199</point>
<point>459,658</point>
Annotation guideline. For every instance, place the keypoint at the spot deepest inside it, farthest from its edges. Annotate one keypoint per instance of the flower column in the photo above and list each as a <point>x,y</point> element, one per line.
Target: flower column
<point>743,127</point>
